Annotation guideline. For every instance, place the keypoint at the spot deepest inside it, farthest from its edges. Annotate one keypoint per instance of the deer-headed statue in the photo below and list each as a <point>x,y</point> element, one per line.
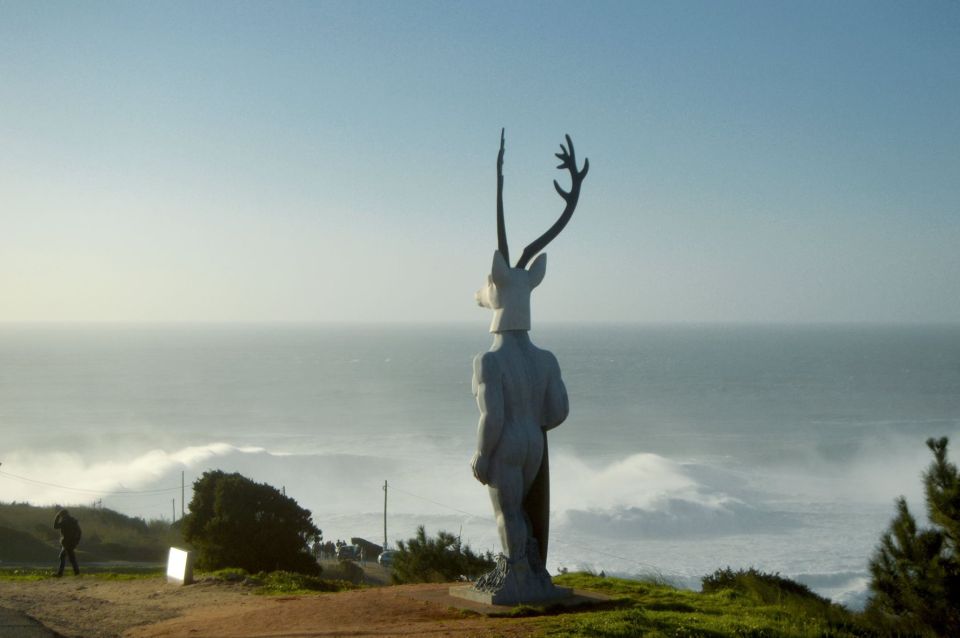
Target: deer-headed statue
<point>521,395</point>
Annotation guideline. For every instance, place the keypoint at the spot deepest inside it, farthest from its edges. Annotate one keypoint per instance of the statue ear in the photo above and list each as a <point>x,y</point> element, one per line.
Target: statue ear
<point>500,270</point>
<point>537,270</point>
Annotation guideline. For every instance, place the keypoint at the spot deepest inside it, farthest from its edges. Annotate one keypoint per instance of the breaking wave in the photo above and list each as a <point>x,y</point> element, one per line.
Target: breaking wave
<point>649,496</point>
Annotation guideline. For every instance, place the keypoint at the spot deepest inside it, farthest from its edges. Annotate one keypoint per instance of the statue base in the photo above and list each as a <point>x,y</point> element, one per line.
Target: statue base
<point>467,592</point>
<point>513,584</point>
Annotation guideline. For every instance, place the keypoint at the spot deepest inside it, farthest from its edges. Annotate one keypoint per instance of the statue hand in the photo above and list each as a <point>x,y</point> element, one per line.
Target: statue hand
<point>481,468</point>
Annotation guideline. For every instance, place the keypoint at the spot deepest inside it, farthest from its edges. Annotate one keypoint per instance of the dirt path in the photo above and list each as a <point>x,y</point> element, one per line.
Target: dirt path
<point>150,608</point>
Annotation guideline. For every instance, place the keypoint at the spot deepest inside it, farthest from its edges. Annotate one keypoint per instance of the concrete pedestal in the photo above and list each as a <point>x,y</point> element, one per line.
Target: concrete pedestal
<point>541,597</point>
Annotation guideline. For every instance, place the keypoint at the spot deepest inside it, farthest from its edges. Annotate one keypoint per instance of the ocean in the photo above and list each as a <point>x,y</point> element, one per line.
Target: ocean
<point>688,447</point>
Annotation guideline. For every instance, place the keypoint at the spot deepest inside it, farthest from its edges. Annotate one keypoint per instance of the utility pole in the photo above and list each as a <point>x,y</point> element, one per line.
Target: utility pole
<point>173,510</point>
<point>384,514</point>
<point>182,495</point>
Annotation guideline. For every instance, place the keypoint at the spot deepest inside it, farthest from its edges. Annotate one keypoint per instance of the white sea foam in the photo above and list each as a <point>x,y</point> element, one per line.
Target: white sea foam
<point>638,515</point>
<point>47,478</point>
<point>641,514</point>
<point>687,449</point>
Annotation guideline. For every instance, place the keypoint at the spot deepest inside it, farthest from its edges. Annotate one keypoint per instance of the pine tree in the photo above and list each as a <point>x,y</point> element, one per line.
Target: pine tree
<point>915,571</point>
<point>942,485</point>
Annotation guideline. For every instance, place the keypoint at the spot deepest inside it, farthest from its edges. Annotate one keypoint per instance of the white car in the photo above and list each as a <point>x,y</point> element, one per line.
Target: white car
<point>386,557</point>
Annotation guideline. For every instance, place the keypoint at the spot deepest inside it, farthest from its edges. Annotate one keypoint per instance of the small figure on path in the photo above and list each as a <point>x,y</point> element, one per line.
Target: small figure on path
<point>69,539</point>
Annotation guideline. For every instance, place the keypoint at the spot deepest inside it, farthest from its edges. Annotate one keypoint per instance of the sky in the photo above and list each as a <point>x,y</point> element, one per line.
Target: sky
<point>336,161</point>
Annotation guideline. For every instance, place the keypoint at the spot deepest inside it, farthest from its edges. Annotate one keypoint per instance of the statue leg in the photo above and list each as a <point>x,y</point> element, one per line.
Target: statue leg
<point>520,574</point>
<point>506,494</point>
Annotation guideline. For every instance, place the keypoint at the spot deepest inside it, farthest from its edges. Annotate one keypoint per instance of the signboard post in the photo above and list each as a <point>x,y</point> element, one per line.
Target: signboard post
<point>180,567</point>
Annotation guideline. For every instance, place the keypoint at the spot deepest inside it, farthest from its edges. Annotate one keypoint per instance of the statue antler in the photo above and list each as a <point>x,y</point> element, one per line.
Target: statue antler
<point>501,226</point>
<point>568,161</point>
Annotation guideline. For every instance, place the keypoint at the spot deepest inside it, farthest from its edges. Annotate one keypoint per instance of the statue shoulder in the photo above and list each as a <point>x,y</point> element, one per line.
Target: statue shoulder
<point>486,370</point>
<point>547,358</point>
<point>486,366</point>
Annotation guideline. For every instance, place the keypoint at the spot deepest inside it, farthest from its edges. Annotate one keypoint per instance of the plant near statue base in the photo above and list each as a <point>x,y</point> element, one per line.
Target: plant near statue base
<point>916,572</point>
<point>235,522</point>
<point>437,560</point>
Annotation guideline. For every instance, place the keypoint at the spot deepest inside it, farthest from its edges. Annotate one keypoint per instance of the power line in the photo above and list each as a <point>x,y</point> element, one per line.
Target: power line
<point>424,498</point>
<point>124,492</point>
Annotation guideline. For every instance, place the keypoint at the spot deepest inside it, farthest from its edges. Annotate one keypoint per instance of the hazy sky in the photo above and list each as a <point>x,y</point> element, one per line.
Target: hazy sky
<point>335,161</point>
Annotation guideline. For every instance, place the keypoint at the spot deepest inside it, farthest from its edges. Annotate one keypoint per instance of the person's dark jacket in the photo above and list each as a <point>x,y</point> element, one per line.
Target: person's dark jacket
<point>69,529</point>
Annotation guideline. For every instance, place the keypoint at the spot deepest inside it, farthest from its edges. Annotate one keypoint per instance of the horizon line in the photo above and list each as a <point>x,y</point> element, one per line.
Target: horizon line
<point>463,322</point>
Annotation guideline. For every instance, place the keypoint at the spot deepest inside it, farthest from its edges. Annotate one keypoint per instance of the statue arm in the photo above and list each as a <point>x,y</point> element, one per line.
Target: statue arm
<point>556,404</point>
<point>489,391</point>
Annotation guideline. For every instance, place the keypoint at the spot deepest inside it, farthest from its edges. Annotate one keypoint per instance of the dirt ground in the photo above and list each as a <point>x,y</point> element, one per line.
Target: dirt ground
<point>151,608</point>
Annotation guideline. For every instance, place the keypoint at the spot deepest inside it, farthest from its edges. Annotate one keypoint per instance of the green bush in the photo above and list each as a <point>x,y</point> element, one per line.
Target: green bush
<point>283,582</point>
<point>230,575</point>
<point>916,572</point>
<point>437,560</point>
<point>22,546</point>
<point>234,522</point>
<point>762,587</point>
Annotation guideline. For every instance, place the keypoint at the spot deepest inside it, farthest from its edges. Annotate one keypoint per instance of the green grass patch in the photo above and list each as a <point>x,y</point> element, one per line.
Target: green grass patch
<point>18,573</point>
<point>125,575</point>
<point>743,605</point>
<point>282,582</point>
<point>93,572</point>
<point>228,575</point>
<point>269,584</point>
<point>279,582</point>
<point>524,611</point>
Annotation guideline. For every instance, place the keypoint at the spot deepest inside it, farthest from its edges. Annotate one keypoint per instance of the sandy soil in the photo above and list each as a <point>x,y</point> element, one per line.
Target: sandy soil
<point>151,608</point>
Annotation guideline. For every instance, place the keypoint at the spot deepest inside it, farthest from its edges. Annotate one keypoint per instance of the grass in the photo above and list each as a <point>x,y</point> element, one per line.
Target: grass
<point>268,584</point>
<point>744,605</point>
<point>292,583</point>
<point>229,575</point>
<point>279,583</point>
<point>112,572</point>
<point>25,574</point>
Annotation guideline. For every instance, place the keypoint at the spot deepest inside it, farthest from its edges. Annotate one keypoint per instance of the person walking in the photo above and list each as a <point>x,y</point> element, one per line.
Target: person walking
<point>69,539</point>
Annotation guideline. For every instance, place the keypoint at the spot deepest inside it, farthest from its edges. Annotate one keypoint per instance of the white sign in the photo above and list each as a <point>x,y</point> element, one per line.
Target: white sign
<point>180,567</point>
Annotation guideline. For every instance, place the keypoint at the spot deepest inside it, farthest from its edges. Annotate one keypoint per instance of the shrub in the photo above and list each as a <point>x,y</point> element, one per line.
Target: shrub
<point>437,560</point>
<point>762,587</point>
<point>230,575</point>
<point>21,546</point>
<point>234,522</point>
<point>915,572</point>
<point>292,583</point>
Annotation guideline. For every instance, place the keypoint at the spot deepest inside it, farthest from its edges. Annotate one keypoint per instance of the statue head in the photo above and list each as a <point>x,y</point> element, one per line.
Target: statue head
<point>507,291</point>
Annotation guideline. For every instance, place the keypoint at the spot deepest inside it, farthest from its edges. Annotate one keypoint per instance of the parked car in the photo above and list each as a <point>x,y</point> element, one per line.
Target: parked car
<point>386,557</point>
<point>348,552</point>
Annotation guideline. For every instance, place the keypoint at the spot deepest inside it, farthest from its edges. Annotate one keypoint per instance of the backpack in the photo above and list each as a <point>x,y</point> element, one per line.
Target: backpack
<point>70,529</point>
